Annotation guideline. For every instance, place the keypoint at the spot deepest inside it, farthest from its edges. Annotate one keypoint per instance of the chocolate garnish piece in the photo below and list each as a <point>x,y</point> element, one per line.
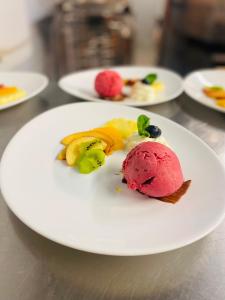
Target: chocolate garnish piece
<point>119,97</point>
<point>124,180</point>
<point>177,195</point>
<point>130,82</point>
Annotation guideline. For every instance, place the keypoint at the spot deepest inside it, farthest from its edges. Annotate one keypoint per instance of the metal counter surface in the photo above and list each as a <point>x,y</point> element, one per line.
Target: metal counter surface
<point>34,268</point>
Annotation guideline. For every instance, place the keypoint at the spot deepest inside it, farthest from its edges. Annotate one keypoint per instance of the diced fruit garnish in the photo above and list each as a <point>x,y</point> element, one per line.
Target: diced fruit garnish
<point>158,86</point>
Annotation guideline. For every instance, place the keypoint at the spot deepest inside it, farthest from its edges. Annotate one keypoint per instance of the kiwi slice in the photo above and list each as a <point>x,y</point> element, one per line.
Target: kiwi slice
<point>94,144</point>
<point>91,160</point>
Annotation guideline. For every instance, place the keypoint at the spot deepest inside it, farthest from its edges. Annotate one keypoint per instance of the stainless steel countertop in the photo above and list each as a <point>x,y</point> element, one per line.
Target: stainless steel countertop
<point>34,268</point>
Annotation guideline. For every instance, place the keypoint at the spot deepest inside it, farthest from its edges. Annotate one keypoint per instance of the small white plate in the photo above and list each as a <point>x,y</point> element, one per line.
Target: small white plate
<point>32,83</point>
<point>81,84</point>
<point>85,211</point>
<point>196,81</point>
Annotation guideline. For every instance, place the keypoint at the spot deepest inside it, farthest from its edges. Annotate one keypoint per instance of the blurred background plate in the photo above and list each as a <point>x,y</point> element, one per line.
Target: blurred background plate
<point>196,81</point>
<point>81,84</point>
<point>31,83</point>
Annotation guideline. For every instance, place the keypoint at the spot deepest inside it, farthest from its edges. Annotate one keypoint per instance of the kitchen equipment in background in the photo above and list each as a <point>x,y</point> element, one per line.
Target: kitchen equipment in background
<point>193,35</point>
<point>91,33</point>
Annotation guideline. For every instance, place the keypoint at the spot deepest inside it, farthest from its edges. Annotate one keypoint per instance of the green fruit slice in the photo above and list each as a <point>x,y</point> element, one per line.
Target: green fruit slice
<point>80,145</point>
<point>91,160</point>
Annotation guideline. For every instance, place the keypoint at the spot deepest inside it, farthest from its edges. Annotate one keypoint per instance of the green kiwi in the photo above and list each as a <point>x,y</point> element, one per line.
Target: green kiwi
<point>91,160</point>
<point>94,144</point>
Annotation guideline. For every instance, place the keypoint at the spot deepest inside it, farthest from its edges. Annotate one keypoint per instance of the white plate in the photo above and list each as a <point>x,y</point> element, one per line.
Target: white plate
<point>32,83</point>
<point>85,211</point>
<point>196,81</point>
<point>81,84</point>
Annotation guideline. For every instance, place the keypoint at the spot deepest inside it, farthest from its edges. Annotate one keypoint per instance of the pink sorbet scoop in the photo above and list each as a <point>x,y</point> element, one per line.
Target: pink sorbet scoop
<point>108,84</point>
<point>153,169</point>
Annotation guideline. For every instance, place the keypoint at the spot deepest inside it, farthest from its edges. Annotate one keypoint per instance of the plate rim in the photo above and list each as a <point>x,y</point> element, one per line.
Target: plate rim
<point>176,94</point>
<point>31,95</point>
<point>189,75</point>
<point>96,250</point>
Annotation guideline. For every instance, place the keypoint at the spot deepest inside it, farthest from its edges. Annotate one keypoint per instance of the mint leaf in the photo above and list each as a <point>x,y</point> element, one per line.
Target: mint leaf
<point>142,123</point>
<point>150,78</point>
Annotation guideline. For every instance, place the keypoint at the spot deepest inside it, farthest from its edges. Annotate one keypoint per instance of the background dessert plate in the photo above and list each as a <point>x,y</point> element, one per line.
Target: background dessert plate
<point>96,212</point>
<point>31,83</point>
<point>196,81</point>
<point>81,84</point>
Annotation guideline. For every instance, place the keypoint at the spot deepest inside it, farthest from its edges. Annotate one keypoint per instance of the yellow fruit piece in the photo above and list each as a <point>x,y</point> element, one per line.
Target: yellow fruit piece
<point>115,135</point>
<point>8,95</point>
<point>124,126</point>
<point>221,103</point>
<point>62,154</point>
<point>158,86</point>
<point>109,135</point>
<point>91,133</point>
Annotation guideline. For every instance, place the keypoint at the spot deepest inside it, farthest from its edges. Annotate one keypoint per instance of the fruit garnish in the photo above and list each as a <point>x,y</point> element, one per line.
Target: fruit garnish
<point>115,135</point>
<point>142,124</point>
<point>216,88</point>
<point>81,145</point>
<point>124,126</point>
<point>109,135</point>
<point>154,131</point>
<point>91,160</point>
<point>214,92</point>
<point>92,133</point>
<point>62,154</point>
<point>158,86</point>
<point>150,78</point>
<point>221,103</point>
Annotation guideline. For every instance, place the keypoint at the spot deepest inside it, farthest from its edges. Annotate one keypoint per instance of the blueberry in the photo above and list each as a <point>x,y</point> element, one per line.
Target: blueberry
<point>145,81</point>
<point>154,131</point>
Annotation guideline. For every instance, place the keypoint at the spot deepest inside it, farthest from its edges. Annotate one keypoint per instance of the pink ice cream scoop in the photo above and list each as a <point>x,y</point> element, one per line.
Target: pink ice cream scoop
<point>108,83</point>
<point>153,169</point>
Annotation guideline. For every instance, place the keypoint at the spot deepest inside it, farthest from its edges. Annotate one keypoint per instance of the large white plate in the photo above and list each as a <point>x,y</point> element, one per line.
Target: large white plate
<point>85,211</point>
<point>32,83</point>
<point>81,84</point>
<point>196,81</point>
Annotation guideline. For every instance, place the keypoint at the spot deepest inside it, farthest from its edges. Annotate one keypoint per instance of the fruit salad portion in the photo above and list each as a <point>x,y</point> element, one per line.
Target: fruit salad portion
<point>88,150</point>
<point>10,93</point>
<point>216,93</point>
<point>110,85</point>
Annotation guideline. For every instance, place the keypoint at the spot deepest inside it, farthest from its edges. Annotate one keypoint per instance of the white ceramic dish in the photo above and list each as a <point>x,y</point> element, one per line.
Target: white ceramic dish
<point>81,84</point>
<point>32,83</point>
<point>196,81</point>
<point>85,211</point>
